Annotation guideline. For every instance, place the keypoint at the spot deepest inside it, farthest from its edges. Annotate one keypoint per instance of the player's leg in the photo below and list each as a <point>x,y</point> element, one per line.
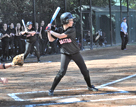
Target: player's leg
<point>16,45</point>
<point>28,49</point>
<point>64,64</point>
<point>7,50</point>
<point>20,45</point>
<point>37,50</point>
<point>123,40</point>
<point>81,64</point>
<point>126,41</point>
<point>3,51</point>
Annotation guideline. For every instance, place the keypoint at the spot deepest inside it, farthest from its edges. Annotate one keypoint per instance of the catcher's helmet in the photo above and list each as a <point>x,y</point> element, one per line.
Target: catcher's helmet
<point>28,23</point>
<point>64,18</point>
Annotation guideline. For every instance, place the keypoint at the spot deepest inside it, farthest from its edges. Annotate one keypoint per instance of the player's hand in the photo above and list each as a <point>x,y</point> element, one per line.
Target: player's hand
<point>4,80</point>
<point>8,35</point>
<point>33,33</point>
<point>49,25</point>
<point>25,31</point>
<point>40,28</point>
<point>48,28</point>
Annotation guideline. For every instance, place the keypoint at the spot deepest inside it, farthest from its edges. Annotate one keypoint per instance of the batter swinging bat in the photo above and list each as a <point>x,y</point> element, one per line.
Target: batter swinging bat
<point>24,25</point>
<point>54,16</point>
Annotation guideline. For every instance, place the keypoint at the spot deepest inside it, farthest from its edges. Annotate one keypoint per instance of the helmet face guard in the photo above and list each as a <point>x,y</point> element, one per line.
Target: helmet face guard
<point>64,18</point>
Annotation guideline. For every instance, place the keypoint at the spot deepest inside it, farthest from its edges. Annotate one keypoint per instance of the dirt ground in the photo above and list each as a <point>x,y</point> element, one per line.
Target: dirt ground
<point>105,65</point>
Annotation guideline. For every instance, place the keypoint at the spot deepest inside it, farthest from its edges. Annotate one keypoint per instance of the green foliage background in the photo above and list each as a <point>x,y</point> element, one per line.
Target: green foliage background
<point>132,3</point>
<point>15,10</point>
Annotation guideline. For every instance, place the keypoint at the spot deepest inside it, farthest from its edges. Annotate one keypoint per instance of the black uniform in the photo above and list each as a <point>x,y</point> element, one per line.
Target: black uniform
<point>37,38</point>
<point>43,41</point>
<point>31,41</point>
<point>18,43</point>
<point>70,51</point>
<point>11,41</point>
<point>5,44</point>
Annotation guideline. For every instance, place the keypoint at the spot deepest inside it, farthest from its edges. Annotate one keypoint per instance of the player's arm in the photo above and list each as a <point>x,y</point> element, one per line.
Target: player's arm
<point>58,35</point>
<point>5,35</point>
<point>31,33</point>
<point>40,33</point>
<point>4,66</point>
<point>50,38</point>
<point>123,30</point>
<point>55,34</point>
<point>22,32</point>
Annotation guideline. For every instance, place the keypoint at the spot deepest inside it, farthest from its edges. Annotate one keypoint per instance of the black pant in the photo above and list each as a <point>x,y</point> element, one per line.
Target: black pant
<point>5,49</point>
<point>43,45</point>
<point>18,45</point>
<point>28,49</point>
<point>11,44</point>
<point>124,39</point>
<point>65,59</point>
<point>23,45</point>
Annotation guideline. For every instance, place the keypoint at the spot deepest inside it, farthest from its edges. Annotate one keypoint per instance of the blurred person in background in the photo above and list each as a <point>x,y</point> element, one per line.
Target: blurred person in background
<point>17,40</point>
<point>44,40</point>
<point>11,39</point>
<point>5,42</point>
<point>124,34</point>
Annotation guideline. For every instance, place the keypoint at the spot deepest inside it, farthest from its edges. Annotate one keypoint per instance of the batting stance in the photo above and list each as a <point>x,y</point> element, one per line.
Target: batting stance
<point>69,50</point>
<point>31,40</point>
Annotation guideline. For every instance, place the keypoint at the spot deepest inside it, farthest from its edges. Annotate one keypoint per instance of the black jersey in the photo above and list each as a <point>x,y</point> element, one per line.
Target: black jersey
<point>30,38</point>
<point>12,30</point>
<point>37,35</point>
<point>68,45</point>
<point>44,36</point>
<point>5,32</point>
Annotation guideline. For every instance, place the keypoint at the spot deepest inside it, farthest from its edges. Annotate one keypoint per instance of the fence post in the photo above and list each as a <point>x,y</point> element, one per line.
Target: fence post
<point>34,14</point>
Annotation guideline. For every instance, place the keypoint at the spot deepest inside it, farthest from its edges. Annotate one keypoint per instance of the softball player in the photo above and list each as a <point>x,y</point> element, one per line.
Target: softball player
<point>69,50</point>
<point>31,40</point>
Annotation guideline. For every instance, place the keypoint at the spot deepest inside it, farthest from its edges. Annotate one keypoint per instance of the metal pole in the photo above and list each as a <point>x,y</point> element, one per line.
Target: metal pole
<point>128,18</point>
<point>91,36</point>
<point>65,5</point>
<point>120,11</point>
<point>81,27</point>
<point>110,21</point>
<point>34,14</point>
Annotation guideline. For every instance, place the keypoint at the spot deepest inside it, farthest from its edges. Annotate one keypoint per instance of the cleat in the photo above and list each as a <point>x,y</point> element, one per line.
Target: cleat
<point>92,88</point>
<point>50,93</point>
<point>39,61</point>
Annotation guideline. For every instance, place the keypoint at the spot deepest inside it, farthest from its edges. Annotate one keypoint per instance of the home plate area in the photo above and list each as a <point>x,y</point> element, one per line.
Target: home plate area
<point>69,96</point>
<point>73,96</point>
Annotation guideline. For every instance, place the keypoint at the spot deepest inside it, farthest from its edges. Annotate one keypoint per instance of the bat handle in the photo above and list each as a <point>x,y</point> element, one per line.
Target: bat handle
<point>48,27</point>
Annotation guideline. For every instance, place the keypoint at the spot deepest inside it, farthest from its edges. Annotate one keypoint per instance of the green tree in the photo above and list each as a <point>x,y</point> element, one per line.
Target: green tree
<point>132,3</point>
<point>15,10</point>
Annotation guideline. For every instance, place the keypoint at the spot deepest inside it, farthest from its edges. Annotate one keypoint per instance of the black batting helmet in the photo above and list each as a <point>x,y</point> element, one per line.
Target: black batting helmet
<point>29,23</point>
<point>64,18</point>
